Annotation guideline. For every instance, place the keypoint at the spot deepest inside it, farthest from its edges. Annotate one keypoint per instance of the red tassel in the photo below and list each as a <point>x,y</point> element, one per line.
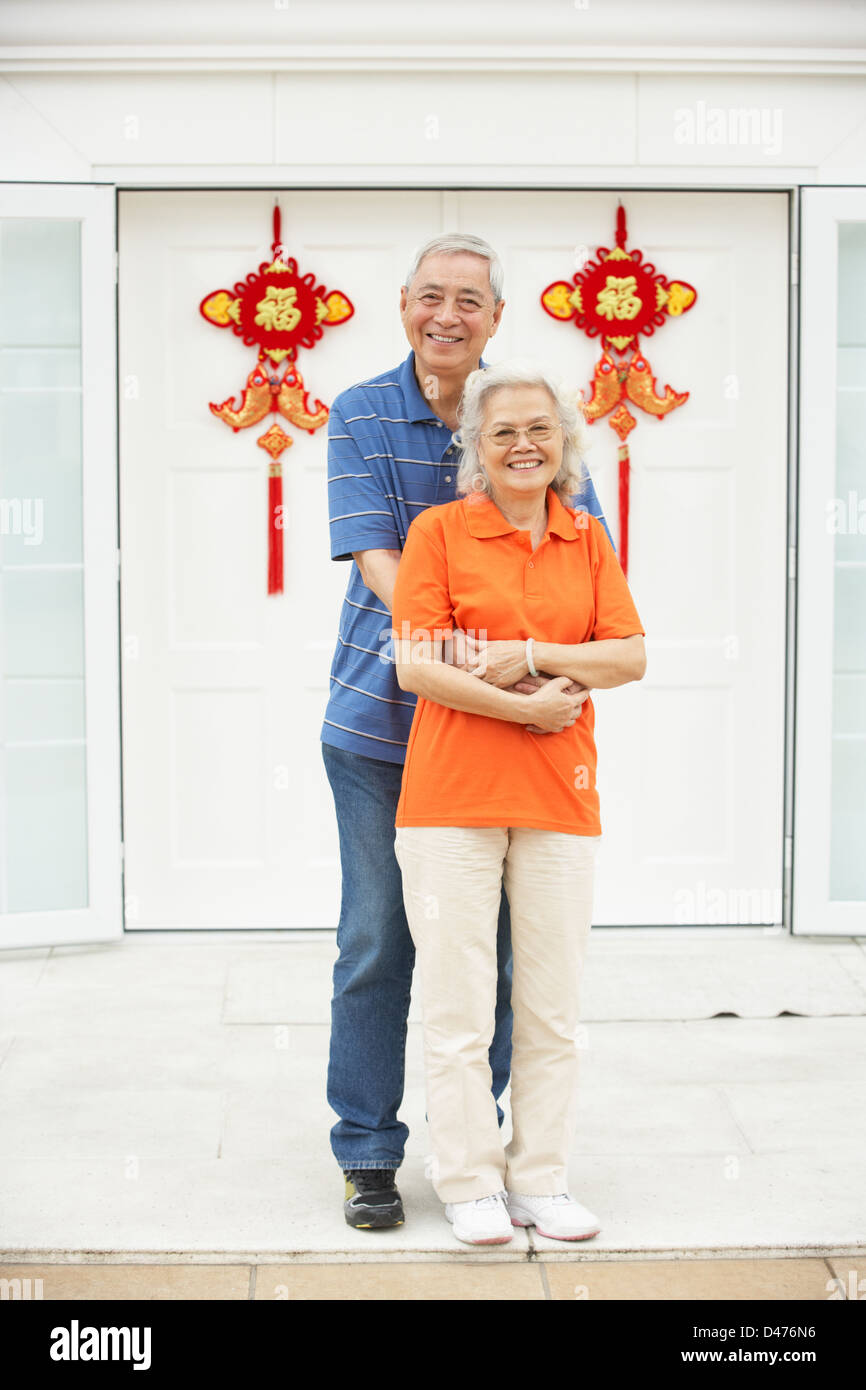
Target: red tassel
<point>276,248</point>
<point>623,507</point>
<point>275,528</point>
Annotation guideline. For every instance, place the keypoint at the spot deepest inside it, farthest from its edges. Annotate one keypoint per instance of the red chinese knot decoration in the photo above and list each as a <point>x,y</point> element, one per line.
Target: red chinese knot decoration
<point>281,311</point>
<point>616,298</point>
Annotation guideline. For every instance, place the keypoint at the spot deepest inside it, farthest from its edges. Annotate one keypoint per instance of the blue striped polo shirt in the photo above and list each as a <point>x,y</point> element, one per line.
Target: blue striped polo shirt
<point>389,457</point>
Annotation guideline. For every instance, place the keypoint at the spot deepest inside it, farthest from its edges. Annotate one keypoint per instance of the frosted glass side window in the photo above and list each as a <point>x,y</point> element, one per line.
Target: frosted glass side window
<point>43,775</point>
<point>847,519</point>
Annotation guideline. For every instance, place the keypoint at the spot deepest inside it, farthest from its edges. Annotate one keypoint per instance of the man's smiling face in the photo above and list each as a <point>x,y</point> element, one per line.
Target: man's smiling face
<point>449,314</point>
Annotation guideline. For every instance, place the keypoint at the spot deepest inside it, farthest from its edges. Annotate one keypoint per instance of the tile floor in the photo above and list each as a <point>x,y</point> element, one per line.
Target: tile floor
<point>163,1124</point>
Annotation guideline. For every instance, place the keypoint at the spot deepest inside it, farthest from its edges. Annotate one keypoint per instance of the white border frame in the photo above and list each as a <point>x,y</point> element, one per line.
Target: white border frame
<point>814,913</point>
<point>94,206</point>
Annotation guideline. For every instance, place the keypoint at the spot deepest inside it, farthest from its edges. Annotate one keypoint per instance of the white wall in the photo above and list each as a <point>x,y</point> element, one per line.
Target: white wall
<point>481,93</point>
<point>341,26</point>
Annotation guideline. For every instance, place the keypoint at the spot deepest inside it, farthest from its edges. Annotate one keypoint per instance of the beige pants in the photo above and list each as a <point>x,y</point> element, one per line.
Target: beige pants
<point>452,878</point>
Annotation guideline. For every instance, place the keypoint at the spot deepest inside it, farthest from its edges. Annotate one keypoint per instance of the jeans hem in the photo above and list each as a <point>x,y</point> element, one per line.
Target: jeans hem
<point>347,1165</point>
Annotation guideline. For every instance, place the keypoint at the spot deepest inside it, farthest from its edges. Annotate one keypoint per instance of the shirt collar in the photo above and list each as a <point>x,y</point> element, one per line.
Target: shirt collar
<point>484,518</point>
<point>417,408</point>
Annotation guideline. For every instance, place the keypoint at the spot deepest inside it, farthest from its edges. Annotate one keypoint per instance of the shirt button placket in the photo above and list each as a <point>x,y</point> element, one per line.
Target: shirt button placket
<point>447,459</point>
<point>532,578</point>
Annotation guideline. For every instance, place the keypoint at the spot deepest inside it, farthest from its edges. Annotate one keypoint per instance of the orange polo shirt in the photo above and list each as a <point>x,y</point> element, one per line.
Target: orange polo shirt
<point>464,566</point>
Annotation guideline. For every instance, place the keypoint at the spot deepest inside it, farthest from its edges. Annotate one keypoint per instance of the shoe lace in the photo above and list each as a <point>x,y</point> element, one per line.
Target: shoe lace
<point>372,1179</point>
<point>561,1198</point>
<point>494,1200</point>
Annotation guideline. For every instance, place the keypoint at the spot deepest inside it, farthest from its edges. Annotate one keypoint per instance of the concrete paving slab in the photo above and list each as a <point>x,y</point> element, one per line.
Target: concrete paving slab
<point>466,1281</point>
<point>657,1052</point>
<point>703,1203</point>
<point>825,1116</point>
<point>92,1282</point>
<point>178,1052</point>
<point>657,1119</point>
<point>667,1280</point>
<point>258,1209</point>
<point>684,978</point>
<point>123,1124</point>
<point>849,1273</point>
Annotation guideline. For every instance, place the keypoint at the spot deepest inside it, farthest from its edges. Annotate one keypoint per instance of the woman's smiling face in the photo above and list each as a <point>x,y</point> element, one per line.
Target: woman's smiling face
<point>520,464</point>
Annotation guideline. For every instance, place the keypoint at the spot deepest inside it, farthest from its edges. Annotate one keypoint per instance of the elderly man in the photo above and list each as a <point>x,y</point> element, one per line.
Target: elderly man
<point>390,455</point>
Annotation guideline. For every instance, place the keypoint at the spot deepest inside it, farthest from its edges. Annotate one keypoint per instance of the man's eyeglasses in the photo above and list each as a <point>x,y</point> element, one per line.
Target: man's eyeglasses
<point>504,436</point>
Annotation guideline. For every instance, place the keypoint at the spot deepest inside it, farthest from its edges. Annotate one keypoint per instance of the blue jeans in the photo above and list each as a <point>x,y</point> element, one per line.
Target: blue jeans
<point>373,973</point>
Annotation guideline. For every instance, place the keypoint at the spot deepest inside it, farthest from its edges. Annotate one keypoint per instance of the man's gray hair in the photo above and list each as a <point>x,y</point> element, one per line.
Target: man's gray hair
<point>573,475</point>
<point>453,242</point>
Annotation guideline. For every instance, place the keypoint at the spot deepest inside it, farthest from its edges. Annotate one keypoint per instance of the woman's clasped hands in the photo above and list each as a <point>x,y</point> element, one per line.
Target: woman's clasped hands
<point>556,705</point>
<point>557,700</point>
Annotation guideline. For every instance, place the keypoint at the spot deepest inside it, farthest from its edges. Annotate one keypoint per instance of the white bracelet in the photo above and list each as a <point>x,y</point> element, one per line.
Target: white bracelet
<point>530,660</point>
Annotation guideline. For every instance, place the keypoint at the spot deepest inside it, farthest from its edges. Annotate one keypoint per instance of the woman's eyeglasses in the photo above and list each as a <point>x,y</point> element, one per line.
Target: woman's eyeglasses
<point>504,436</point>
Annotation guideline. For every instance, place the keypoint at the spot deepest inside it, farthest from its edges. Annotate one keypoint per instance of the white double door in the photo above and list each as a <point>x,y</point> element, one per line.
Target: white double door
<point>228,819</point>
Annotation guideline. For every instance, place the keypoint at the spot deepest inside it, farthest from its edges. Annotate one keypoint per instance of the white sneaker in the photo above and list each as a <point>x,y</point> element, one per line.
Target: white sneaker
<point>482,1222</point>
<point>559,1217</point>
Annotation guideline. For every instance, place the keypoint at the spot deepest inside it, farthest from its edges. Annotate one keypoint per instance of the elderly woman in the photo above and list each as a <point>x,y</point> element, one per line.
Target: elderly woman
<point>499,786</point>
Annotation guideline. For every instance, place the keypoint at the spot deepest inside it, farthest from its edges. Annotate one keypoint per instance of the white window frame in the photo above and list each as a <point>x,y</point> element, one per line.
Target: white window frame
<point>94,207</point>
<point>814,912</point>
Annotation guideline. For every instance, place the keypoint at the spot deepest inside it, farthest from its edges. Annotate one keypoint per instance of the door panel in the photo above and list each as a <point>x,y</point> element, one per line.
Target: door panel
<point>690,768</point>
<point>228,815</point>
<point>830,759</point>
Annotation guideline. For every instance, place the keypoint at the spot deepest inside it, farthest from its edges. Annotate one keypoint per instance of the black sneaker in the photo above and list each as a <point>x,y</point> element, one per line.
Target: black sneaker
<point>372,1199</point>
